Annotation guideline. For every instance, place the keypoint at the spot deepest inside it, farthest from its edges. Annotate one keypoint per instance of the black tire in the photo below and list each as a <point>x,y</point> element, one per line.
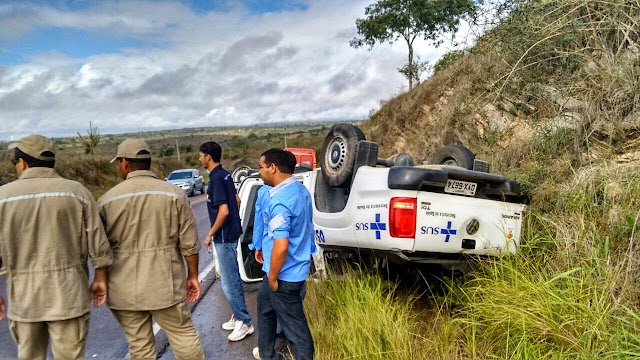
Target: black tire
<point>339,154</point>
<point>454,155</point>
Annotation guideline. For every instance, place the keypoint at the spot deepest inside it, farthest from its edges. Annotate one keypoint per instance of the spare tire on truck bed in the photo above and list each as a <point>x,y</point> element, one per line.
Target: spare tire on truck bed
<point>454,155</point>
<point>339,154</point>
<point>240,173</point>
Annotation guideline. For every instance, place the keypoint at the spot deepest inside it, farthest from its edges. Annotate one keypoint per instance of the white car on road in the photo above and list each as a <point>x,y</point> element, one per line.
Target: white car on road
<point>189,180</point>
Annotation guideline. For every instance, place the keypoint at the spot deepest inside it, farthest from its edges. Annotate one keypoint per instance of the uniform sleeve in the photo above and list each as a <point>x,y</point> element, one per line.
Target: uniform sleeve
<point>219,192</point>
<point>314,248</point>
<point>188,242</point>
<point>99,248</point>
<point>279,221</point>
<point>258,226</point>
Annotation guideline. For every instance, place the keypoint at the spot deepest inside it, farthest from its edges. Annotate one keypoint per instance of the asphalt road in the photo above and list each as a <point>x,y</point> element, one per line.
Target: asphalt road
<point>106,339</point>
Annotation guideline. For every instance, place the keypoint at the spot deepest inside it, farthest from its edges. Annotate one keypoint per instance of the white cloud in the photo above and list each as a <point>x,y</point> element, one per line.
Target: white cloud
<point>201,70</point>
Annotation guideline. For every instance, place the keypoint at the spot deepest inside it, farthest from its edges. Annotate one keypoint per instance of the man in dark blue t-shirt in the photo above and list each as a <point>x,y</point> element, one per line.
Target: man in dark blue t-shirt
<point>222,205</point>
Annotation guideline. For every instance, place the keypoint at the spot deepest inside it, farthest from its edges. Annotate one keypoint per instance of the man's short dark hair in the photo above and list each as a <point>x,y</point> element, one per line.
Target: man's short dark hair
<point>212,149</point>
<point>33,162</point>
<point>139,164</point>
<point>285,161</point>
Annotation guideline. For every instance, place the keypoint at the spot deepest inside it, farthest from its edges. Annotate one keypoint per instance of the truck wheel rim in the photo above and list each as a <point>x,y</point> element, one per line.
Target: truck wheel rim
<point>337,153</point>
<point>450,162</point>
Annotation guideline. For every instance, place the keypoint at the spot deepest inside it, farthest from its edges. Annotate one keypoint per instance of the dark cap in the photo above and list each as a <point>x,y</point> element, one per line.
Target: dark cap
<point>36,146</point>
<point>133,149</point>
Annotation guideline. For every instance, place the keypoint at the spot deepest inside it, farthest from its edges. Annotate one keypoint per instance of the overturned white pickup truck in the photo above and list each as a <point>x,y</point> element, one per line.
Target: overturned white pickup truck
<point>390,208</point>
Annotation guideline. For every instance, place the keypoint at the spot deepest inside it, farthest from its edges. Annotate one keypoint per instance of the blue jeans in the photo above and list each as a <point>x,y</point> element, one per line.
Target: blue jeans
<point>231,282</point>
<point>284,305</point>
<point>303,293</point>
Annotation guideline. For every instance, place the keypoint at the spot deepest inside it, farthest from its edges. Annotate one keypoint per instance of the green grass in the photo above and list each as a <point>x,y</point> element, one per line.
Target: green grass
<point>570,292</point>
<point>359,316</point>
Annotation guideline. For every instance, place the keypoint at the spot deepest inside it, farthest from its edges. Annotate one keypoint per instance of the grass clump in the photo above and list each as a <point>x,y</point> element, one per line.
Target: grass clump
<point>518,309</point>
<point>359,317</point>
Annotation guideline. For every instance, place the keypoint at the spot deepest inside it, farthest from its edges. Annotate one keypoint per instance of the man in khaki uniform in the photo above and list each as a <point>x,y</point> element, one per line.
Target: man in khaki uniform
<point>151,227</point>
<point>48,226</point>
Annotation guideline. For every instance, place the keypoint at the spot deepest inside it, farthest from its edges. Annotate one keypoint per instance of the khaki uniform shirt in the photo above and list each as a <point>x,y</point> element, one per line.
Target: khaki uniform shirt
<point>150,226</point>
<point>48,225</point>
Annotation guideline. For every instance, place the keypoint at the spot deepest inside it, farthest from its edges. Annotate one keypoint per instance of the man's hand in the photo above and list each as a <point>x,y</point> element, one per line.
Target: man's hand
<point>259,257</point>
<point>99,287</point>
<point>193,289</point>
<point>207,242</point>
<point>273,284</point>
<point>3,309</point>
<point>99,292</point>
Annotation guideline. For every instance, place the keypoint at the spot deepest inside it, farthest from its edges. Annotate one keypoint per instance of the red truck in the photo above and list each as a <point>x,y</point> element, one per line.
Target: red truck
<point>304,156</point>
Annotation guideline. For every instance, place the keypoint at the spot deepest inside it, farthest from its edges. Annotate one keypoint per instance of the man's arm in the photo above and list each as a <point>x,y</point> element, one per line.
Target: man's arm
<point>223,212</point>
<point>99,287</point>
<point>193,285</point>
<point>258,230</point>
<point>278,256</point>
<point>98,245</point>
<point>238,201</point>
<point>3,309</point>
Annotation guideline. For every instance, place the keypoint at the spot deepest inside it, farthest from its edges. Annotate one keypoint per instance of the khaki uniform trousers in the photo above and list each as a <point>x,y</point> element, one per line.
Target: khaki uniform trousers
<point>68,338</point>
<point>176,323</point>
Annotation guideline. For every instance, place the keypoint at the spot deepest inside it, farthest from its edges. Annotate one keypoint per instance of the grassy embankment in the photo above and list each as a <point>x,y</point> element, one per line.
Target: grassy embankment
<point>551,98</point>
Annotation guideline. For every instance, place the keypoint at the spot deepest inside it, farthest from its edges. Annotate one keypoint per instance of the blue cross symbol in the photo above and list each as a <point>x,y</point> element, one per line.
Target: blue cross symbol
<point>378,226</point>
<point>448,231</point>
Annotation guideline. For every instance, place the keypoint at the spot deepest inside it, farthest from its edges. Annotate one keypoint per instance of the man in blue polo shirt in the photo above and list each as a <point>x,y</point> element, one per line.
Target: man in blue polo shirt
<point>286,252</point>
<point>222,205</point>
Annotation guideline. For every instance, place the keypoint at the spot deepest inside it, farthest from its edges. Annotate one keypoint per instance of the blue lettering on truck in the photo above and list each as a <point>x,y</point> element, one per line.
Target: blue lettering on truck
<point>362,226</point>
<point>430,230</point>
<point>376,226</point>
<point>434,230</point>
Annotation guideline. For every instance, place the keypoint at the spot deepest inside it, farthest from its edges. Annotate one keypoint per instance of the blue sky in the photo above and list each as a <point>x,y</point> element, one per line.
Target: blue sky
<point>141,65</point>
<point>81,43</point>
<point>70,42</point>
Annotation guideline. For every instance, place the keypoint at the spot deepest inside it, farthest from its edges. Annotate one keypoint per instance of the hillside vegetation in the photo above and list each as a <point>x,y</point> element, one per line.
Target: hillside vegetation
<point>241,146</point>
<point>550,97</point>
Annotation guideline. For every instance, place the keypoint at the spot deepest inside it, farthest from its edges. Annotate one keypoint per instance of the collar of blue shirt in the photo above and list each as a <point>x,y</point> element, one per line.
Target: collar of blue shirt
<point>281,186</point>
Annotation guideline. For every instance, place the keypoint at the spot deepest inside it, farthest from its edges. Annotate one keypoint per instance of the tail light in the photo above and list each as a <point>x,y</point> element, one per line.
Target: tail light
<point>402,217</point>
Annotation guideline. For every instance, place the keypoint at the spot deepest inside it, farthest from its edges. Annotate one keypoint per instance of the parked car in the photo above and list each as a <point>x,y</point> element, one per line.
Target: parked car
<point>188,180</point>
<point>391,209</point>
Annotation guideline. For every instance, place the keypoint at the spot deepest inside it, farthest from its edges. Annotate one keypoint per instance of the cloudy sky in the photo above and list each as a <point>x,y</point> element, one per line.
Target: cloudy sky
<point>147,65</point>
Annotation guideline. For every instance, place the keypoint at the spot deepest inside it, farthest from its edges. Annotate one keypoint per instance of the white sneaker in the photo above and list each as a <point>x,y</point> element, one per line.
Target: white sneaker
<point>229,325</point>
<point>256,353</point>
<point>240,332</point>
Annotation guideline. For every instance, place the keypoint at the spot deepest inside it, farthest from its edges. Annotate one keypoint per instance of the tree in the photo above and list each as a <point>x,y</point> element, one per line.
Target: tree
<point>91,141</point>
<point>389,20</point>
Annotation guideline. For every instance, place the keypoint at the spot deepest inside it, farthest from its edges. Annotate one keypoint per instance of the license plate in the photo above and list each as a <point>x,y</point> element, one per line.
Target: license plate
<point>460,187</point>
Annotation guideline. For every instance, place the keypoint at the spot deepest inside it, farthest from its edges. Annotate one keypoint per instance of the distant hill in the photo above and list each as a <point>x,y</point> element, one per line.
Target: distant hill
<point>173,149</point>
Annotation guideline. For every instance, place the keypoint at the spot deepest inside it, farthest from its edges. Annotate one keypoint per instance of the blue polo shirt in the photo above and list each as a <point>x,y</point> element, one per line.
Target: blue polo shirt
<point>289,215</point>
<point>222,191</point>
<point>260,219</point>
